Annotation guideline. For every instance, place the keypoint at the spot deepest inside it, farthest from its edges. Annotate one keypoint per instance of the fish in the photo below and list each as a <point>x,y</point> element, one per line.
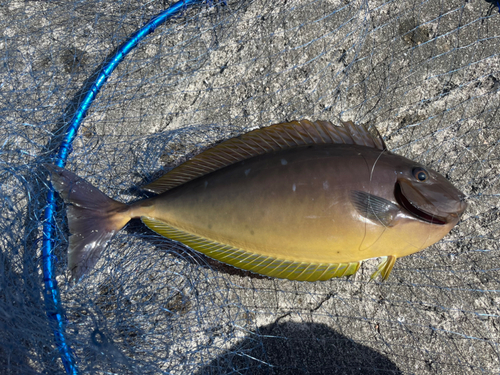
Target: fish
<point>299,200</point>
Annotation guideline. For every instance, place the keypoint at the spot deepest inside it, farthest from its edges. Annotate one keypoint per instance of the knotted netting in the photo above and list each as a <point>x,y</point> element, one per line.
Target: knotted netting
<point>426,74</point>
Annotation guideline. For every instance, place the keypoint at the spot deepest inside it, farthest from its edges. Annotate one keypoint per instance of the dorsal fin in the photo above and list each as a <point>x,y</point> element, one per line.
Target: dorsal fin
<point>261,141</point>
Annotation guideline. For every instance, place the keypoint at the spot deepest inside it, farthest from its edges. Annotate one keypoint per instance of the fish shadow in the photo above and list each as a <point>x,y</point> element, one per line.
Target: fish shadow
<point>299,348</point>
<point>181,251</point>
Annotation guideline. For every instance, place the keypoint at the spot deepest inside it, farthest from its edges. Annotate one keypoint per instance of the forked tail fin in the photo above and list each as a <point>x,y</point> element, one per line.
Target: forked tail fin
<point>93,219</point>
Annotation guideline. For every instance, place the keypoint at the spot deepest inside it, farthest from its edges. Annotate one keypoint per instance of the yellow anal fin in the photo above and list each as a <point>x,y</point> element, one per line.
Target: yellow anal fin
<point>257,263</point>
<point>384,269</point>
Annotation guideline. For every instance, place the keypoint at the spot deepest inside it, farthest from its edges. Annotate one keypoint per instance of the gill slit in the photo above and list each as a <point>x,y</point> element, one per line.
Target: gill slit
<point>371,177</point>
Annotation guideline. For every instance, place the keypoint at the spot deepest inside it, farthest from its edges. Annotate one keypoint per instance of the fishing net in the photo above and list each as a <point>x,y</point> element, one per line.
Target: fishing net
<point>426,74</point>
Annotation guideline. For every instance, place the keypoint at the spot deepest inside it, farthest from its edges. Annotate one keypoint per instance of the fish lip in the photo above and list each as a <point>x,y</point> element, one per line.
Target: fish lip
<point>415,211</point>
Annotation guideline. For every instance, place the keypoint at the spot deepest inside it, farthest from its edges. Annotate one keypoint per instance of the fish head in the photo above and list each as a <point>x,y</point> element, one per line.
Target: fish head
<point>428,196</point>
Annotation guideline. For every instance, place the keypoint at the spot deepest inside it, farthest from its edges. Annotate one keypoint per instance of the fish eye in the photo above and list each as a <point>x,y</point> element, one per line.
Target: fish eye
<point>420,174</point>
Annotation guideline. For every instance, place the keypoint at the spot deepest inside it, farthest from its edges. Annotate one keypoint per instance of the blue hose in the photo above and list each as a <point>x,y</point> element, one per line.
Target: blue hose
<point>52,296</point>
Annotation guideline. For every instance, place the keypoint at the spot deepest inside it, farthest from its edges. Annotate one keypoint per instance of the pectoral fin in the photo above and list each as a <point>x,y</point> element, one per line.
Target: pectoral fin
<point>376,209</point>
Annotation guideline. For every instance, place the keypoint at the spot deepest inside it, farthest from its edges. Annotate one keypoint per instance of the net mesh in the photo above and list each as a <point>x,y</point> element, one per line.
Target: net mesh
<point>425,73</point>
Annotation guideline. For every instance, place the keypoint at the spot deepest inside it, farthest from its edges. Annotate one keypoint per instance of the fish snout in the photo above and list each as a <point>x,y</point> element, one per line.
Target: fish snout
<point>463,205</point>
<point>458,212</point>
<point>451,206</point>
<point>453,203</point>
<point>435,203</point>
<point>443,197</point>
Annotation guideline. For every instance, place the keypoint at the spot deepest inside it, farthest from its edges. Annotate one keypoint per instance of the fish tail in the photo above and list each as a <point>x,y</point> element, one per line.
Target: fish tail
<point>93,219</point>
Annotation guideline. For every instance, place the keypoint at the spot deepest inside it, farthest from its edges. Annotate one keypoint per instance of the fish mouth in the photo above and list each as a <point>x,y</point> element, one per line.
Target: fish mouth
<point>414,210</point>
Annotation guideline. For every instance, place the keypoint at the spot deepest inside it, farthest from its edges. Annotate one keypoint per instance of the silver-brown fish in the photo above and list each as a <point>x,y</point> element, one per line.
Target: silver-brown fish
<point>300,200</point>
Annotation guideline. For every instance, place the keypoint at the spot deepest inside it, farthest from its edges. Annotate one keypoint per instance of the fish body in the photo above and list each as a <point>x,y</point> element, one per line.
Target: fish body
<point>305,211</point>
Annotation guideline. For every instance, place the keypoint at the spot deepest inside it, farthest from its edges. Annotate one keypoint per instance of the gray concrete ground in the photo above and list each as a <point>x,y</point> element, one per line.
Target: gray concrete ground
<point>426,74</point>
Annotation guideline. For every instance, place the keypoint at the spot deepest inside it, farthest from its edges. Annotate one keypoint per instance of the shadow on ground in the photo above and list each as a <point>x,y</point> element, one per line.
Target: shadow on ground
<point>299,348</point>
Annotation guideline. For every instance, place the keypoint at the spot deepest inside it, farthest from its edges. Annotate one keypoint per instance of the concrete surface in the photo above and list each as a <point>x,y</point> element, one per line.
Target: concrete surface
<point>424,73</point>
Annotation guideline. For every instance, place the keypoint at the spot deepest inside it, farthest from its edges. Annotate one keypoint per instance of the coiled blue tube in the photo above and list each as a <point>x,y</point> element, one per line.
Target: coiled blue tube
<point>52,296</point>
